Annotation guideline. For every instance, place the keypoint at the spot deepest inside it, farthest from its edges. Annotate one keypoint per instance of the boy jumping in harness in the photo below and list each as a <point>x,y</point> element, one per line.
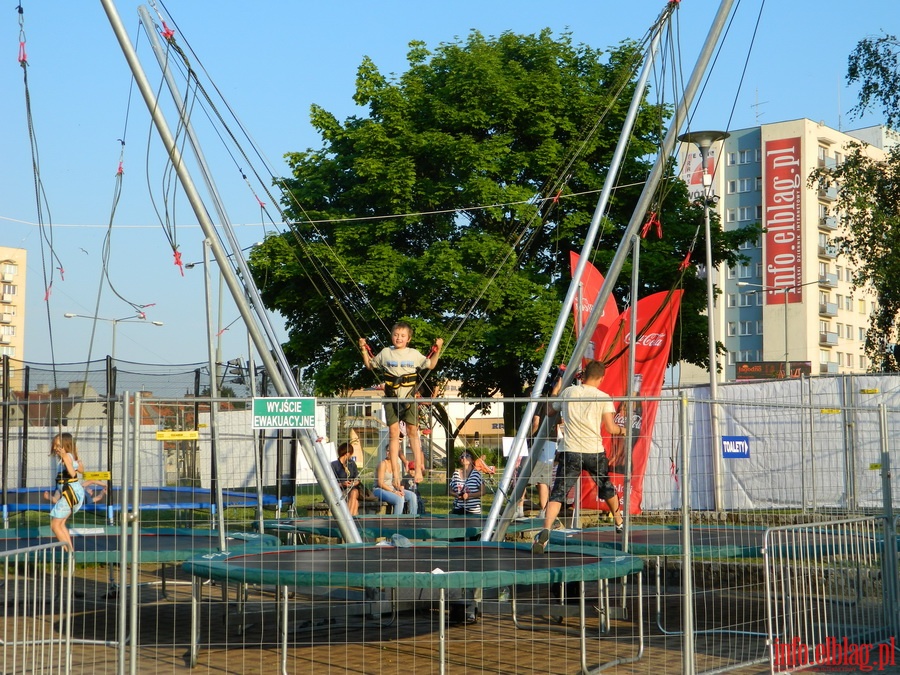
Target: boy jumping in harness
<point>402,364</point>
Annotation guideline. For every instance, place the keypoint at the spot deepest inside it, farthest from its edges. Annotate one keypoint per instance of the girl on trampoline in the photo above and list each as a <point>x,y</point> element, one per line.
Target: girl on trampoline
<point>69,494</point>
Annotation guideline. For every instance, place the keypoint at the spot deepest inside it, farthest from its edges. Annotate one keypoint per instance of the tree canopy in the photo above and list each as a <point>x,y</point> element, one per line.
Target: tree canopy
<point>868,201</point>
<point>453,199</point>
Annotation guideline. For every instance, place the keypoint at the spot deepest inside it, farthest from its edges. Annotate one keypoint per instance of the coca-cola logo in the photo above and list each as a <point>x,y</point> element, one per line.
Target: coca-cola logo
<point>648,339</point>
<point>636,420</point>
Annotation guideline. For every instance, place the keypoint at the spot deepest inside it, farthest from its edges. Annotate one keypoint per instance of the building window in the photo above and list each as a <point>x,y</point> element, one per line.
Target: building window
<point>839,271</point>
<point>7,330</point>
<point>840,300</point>
<point>823,356</point>
<point>731,158</point>
<point>823,153</point>
<point>759,269</point>
<point>862,361</point>
<point>9,289</point>
<point>759,183</point>
<point>8,351</point>
<point>747,299</point>
<point>729,273</point>
<point>10,268</point>
<point>731,358</point>
<point>746,213</point>
<point>840,358</point>
<point>848,303</point>
<point>840,329</point>
<point>759,212</point>
<point>862,335</point>
<point>850,359</point>
<point>730,300</point>
<point>862,306</point>
<point>746,328</point>
<point>731,215</point>
<point>744,271</point>
<point>759,327</point>
<point>745,184</point>
<point>732,329</point>
<point>731,188</point>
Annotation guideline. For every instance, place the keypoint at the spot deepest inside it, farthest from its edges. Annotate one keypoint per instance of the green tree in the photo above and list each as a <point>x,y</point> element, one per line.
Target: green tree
<point>868,199</point>
<point>493,151</point>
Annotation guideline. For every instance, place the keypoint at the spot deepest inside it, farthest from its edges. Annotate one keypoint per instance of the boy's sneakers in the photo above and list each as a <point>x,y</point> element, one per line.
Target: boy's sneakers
<point>620,528</point>
<point>540,541</point>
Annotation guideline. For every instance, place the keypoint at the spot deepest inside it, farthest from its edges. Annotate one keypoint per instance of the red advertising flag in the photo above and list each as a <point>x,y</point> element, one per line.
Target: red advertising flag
<point>591,283</point>
<point>656,315</point>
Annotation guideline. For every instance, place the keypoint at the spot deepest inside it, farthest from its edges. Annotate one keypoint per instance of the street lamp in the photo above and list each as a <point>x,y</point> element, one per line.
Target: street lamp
<point>704,140</point>
<point>785,290</point>
<point>115,322</point>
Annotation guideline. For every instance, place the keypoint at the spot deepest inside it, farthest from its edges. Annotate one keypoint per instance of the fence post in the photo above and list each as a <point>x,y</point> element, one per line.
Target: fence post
<point>891,599</point>
<point>687,645</point>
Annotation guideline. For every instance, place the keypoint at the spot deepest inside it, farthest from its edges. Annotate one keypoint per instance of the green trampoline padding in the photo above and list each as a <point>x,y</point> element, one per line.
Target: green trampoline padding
<point>433,565</point>
<point>425,527</point>
<point>716,541</point>
<point>711,541</point>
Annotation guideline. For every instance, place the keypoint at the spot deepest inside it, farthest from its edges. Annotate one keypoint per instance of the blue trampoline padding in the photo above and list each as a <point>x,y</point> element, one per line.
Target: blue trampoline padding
<point>445,527</point>
<point>433,565</point>
<point>152,498</point>
<point>157,545</point>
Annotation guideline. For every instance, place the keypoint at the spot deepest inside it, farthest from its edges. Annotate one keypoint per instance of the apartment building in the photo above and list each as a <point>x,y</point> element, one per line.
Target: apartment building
<point>12,309</point>
<point>790,306</point>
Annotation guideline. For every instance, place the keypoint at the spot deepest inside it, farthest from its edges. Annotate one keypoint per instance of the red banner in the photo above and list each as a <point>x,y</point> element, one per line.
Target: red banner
<point>783,188</point>
<point>656,315</point>
<point>591,283</point>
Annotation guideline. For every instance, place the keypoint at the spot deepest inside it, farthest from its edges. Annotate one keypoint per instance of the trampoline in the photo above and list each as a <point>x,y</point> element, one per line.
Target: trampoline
<point>707,541</point>
<point>437,566</point>
<point>152,499</point>
<point>442,527</point>
<point>102,545</point>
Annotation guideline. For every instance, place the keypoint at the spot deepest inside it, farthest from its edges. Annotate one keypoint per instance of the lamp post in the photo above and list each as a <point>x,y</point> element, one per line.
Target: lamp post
<point>704,140</point>
<point>115,322</point>
<point>785,290</point>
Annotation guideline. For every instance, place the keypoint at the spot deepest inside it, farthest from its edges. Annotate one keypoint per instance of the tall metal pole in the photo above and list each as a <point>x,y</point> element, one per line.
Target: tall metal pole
<point>271,353</point>
<point>787,363</point>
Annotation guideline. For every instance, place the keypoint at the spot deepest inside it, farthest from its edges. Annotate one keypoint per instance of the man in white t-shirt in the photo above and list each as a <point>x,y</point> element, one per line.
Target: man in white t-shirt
<point>586,411</point>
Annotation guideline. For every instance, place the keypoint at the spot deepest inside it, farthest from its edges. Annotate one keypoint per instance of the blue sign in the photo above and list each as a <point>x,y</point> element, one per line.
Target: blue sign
<point>736,447</point>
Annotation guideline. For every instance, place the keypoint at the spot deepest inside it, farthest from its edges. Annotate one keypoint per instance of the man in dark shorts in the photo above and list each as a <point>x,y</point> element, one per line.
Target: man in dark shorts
<point>586,412</point>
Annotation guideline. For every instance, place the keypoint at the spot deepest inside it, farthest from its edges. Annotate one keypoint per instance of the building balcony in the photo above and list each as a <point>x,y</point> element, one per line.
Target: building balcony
<point>6,298</point>
<point>828,367</point>
<point>828,193</point>
<point>828,280</point>
<point>828,339</point>
<point>6,318</point>
<point>8,278</point>
<point>828,309</point>
<point>830,251</point>
<point>828,223</point>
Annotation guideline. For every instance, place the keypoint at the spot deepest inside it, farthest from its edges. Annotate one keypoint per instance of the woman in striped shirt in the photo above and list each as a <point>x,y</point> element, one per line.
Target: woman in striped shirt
<point>466,486</point>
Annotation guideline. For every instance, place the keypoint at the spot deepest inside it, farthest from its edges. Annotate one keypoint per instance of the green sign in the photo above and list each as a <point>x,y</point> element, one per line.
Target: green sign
<point>284,413</point>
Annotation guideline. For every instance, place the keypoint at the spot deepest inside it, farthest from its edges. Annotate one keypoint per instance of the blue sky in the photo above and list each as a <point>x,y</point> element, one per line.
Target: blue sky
<point>271,61</point>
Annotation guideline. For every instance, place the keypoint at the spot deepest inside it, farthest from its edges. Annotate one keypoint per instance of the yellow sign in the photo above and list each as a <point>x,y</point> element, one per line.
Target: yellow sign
<point>98,475</point>
<point>874,467</point>
<point>830,411</point>
<point>868,391</point>
<point>177,435</point>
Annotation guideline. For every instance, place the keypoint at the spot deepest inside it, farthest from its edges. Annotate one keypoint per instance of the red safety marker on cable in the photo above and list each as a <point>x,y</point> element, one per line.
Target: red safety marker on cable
<point>651,221</point>
<point>685,263</point>
<point>167,32</point>
<point>177,255</point>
